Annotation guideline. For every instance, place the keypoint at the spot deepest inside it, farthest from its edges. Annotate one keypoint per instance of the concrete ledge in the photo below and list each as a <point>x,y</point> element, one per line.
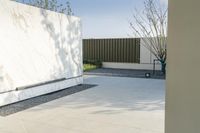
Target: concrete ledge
<point>15,96</point>
<point>130,66</point>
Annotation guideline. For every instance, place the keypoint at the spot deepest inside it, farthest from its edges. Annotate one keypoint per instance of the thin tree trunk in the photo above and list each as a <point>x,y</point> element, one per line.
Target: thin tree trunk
<point>163,67</point>
<point>46,4</point>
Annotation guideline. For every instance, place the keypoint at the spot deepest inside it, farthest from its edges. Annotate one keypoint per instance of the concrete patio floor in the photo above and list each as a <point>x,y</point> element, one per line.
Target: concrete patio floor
<point>116,105</point>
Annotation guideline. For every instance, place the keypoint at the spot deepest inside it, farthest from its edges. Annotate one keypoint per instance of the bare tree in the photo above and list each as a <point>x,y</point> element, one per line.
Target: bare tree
<point>52,5</point>
<point>151,26</point>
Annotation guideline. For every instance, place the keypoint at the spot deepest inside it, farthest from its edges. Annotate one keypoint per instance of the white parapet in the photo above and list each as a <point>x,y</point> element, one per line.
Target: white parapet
<point>135,66</point>
<point>37,46</point>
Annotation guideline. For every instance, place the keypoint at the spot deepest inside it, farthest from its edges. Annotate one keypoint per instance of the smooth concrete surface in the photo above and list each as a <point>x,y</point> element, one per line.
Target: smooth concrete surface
<point>116,105</point>
<point>183,63</point>
<point>37,46</point>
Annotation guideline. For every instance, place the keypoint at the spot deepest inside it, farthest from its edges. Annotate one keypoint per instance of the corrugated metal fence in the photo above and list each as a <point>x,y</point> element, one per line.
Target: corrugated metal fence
<point>125,50</point>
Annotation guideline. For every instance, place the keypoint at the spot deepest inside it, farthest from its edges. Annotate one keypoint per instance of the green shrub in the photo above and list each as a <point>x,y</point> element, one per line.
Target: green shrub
<point>88,67</point>
<point>91,65</point>
<point>93,62</point>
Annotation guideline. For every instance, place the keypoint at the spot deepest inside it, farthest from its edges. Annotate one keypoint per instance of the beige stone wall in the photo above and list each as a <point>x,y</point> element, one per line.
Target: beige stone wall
<point>183,70</point>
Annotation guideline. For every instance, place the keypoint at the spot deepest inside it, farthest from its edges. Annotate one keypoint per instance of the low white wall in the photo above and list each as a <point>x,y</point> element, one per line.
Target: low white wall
<point>37,46</point>
<point>15,96</point>
<point>146,60</point>
<point>130,66</point>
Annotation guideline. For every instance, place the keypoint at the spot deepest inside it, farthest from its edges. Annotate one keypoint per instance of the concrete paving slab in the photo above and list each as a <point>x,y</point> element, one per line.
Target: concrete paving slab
<point>116,105</point>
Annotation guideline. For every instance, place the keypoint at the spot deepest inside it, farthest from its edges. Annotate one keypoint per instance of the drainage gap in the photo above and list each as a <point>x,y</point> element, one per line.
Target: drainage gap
<point>32,102</point>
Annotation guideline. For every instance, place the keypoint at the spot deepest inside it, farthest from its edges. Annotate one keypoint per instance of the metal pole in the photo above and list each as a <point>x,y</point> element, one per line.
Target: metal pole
<point>154,67</point>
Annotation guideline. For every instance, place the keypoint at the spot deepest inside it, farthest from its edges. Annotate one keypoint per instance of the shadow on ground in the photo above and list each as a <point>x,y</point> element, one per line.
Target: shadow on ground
<point>115,95</point>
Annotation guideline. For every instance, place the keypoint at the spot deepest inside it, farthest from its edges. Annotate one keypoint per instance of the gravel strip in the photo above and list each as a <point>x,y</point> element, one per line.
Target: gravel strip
<point>29,103</point>
<point>125,73</point>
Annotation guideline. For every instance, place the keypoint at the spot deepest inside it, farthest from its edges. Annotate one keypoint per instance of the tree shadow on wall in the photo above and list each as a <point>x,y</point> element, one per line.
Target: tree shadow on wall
<point>63,42</point>
<point>19,19</point>
<point>60,42</point>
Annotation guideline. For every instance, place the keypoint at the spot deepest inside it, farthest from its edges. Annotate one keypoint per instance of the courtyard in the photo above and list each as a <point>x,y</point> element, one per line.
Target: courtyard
<point>114,105</point>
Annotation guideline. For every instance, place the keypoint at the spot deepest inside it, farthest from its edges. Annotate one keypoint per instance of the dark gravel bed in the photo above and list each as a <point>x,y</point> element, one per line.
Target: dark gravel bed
<point>32,102</point>
<point>125,73</point>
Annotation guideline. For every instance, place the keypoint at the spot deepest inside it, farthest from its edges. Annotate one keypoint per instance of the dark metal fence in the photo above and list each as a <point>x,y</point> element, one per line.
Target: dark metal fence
<point>125,50</point>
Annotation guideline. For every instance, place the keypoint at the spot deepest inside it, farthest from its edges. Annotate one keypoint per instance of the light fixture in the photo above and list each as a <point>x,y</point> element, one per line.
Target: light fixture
<point>147,75</point>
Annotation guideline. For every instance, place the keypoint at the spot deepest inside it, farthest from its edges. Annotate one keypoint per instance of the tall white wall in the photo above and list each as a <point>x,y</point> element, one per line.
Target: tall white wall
<point>37,45</point>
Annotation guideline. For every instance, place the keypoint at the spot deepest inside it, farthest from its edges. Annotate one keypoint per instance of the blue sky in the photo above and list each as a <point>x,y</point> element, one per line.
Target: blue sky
<point>105,18</point>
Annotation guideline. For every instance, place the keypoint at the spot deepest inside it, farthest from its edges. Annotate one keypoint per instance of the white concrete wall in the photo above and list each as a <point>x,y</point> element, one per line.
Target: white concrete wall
<point>146,57</point>
<point>36,46</point>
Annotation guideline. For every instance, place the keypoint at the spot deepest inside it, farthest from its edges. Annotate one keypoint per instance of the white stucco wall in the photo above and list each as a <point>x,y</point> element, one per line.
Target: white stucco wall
<point>37,45</point>
<point>146,57</point>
